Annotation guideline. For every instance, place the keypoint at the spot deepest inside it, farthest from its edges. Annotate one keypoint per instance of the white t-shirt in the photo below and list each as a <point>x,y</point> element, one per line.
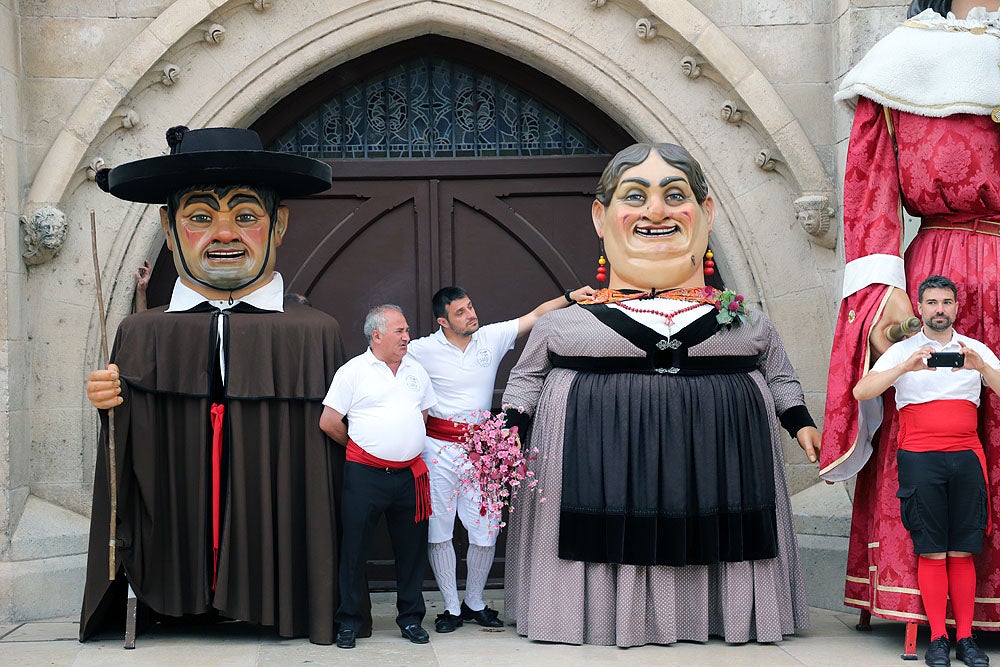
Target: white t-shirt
<point>383,410</point>
<point>938,383</point>
<point>463,381</point>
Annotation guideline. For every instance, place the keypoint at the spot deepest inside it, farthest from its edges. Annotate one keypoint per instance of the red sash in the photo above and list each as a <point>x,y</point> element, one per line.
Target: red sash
<point>446,429</point>
<point>421,479</point>
<point>218,410</point>
<point>943,426</point>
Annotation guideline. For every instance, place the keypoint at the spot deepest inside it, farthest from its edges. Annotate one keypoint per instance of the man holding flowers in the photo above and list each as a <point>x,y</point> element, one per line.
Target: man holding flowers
<point>461,359</point>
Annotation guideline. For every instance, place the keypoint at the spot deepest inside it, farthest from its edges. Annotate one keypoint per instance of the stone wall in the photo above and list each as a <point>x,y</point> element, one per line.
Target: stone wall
<point>747,85</point>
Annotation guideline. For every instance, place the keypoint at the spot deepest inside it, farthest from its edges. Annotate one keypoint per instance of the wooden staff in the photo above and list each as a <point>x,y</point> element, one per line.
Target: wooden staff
<point>113,468</point>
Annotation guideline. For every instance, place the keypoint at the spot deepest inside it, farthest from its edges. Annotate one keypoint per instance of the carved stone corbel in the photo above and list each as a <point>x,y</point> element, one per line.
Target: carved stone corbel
<point>261,5</point>
<point>127,117</point>
<point>691,67</point>
<point>169,74</point>
<point>44,234</point>
<point>731,112</point>
<point>597,4</point>
<point>768,158</point>
<point>646,29</point>
<point>95,166</point>
<point>215,33</point>
<point>815,215</point>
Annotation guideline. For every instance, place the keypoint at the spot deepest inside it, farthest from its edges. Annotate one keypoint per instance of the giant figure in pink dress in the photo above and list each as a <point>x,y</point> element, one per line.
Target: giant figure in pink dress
<point>925,137</point>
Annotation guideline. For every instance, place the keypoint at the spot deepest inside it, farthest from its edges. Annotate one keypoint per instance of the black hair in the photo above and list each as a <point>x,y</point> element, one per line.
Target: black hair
<point>674,155</point>
<point>942,7</point>
<point>443,297</point>
<point>936,282</point>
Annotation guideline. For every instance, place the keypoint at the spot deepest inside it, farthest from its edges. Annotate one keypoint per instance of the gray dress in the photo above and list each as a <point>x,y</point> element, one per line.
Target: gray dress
<point>610,603</point>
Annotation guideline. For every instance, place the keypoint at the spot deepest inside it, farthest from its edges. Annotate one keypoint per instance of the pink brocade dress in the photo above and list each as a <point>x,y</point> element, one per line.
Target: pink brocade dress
<point>948,170</point>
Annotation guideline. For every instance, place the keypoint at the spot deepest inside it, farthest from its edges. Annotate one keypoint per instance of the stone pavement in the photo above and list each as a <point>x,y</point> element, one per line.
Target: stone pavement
<point>831,641</point>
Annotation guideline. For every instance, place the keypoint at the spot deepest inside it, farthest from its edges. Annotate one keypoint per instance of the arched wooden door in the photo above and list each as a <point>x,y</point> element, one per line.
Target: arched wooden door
<point>487,183</point>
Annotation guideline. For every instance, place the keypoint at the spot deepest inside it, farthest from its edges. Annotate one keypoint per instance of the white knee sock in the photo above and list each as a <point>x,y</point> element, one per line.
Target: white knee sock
<point>442,558</point>
<point>479,560</point>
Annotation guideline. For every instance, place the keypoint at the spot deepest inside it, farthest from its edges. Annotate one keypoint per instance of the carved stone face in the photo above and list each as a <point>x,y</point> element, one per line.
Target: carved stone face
<point>655,232</point>
<point>224,241</point>
<point>49,229</point>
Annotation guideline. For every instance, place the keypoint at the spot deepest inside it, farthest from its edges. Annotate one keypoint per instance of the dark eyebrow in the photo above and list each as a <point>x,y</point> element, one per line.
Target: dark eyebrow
<point>210,200</point>
<point>244,198</point>
<point>670,179</point>
<point>635,179</point>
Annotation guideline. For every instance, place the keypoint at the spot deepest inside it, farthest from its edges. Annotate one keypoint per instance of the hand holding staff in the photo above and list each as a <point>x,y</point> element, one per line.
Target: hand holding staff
<point>112,463</point>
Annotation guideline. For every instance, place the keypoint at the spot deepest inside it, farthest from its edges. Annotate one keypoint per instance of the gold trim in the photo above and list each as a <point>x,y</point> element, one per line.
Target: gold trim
<point>962,229</point>
<point>903,614</point>
<point>868,352</point>
<point>863,603</point>
<point>858,580</point>
<point>898,589</point>
<point>904,103</point>
<point>872,545</point>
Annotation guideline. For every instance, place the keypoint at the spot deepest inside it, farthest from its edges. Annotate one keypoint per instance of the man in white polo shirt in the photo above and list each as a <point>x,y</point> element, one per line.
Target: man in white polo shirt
<point>384,396</point>
<point>461,359</point>
<point>942,481</point>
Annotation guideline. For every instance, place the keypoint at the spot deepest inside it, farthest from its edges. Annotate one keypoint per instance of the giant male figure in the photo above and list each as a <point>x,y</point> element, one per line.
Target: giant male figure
<point>228,489</point>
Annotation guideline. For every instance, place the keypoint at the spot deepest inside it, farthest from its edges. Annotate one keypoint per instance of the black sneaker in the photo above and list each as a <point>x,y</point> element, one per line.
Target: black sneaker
<point>938,652</point>
<point>347,638</point>
<point>415,634</point>
<point>447,622</point>
<point>486,617</point>
<point>969,652</point>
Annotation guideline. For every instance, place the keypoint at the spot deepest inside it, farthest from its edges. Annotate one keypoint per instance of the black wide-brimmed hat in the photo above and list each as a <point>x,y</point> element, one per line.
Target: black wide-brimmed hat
<point>215,156</point>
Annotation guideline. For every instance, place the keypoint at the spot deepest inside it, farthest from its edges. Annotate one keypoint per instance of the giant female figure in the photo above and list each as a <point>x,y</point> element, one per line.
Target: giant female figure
<point>925,136</point>
<point>666,513</point>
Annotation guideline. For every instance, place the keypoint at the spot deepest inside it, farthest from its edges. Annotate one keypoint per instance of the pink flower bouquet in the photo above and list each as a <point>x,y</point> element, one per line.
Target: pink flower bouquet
<point>497,467</point>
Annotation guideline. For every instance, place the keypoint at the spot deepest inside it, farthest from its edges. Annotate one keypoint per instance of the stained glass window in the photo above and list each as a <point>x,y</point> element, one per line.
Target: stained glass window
<point>433,107</point>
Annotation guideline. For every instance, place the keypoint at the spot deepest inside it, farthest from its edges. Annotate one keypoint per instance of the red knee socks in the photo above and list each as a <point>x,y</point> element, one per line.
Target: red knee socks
<point>932,578</point>
<point>962,590</point>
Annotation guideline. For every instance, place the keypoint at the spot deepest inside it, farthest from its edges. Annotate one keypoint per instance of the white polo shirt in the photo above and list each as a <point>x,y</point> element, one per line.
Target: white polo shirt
<point>938,383</point>
<point>383,410</point>
<point>463,380</point>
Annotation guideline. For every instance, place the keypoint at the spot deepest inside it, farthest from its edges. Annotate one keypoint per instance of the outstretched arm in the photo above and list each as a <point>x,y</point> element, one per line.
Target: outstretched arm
<point>527,321</point>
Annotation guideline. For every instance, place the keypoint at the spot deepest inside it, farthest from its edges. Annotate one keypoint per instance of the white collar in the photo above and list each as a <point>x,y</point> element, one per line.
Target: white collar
<point>267,297</point>
<point>375,361</point>
<point>443,339</point>
<point>933,66</point>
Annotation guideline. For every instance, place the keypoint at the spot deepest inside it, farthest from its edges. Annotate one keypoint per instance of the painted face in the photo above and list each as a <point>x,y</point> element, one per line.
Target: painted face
<point>938,309</point>
<point>655,232</point>
<point>224,241</point>
<point>461,317</point>
<point>390,346</point>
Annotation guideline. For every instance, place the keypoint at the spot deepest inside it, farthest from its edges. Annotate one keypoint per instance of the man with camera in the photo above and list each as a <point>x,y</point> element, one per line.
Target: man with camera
<point>938,375</point>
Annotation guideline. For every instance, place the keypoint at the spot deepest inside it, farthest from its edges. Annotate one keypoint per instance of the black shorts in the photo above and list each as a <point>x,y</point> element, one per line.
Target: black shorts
<point>942,500</point>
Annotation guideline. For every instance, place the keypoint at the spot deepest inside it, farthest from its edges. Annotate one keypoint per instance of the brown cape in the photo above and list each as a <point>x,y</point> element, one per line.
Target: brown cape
<point>281,475</point>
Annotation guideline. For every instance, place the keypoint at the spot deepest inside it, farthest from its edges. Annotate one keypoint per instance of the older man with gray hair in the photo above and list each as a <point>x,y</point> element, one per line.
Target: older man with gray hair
<point>385,397</point>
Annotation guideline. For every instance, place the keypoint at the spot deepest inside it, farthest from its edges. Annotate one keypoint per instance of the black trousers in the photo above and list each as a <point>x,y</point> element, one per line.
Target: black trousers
<point>368,494</point>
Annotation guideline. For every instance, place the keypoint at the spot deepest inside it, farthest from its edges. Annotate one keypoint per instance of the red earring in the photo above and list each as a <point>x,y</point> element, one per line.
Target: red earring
<point>709,265</point>
<point>602,272</point>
